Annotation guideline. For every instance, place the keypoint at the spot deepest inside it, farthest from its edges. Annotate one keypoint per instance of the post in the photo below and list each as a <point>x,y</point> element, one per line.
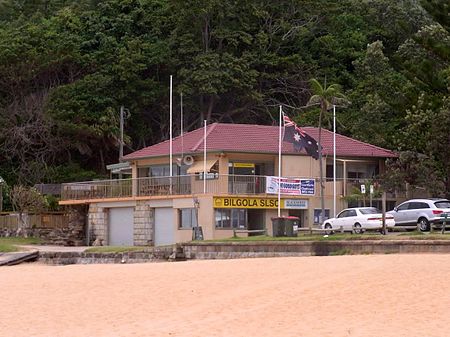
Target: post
<point>444,223</point>
<point>383,218</point>
<point>334,160</point>
<point>181,125</point>
<point>121,133</point>
<point>204,156</point>
<point>279,162</point>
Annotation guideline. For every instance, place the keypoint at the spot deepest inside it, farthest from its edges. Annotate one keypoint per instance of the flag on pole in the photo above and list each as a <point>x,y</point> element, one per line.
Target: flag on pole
<point>299,138</point>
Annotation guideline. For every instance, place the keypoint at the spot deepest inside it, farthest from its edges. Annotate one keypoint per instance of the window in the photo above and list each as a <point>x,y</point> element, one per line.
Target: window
<point>223,217</point>
<point>351,212</point>
<point>372,210</point>
<point>239,218</point>
<point>418,205</point>
<point>403,207</point>
<point>187,218</point>
<point>231,218</point>
<point>343,214</point>
<point>317,213</point>
<point>164,170</point>
<point>442,204</point>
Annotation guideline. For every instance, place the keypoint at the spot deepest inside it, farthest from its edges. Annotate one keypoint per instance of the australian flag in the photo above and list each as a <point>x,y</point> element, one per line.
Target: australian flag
<point>301,140</point>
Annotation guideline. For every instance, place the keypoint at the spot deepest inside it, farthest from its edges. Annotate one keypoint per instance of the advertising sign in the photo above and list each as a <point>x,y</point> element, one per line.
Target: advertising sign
<point>290,186</point>
<point>295,203</point>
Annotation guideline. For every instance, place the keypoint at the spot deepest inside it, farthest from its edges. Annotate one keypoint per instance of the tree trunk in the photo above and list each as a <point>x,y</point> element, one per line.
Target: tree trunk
<point>210,109</point>
<point>322,197</point>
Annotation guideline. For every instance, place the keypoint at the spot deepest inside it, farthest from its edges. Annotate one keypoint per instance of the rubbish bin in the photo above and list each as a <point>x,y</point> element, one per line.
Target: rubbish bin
<point>291,224</point>
<point>278,226</point>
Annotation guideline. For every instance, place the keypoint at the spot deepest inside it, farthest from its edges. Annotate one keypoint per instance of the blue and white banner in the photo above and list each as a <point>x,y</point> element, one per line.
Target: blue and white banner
<point>290,186</point>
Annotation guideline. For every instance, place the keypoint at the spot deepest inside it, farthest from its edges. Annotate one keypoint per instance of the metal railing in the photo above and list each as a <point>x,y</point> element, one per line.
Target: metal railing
<point>193,184</point>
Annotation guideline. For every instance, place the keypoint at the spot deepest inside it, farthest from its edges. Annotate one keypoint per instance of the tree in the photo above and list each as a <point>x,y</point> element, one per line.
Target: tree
<point>326,97</point>
<point>26,199</point>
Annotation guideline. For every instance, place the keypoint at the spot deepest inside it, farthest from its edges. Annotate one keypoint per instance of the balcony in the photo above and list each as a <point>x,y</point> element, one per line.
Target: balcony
<point>164,186</point>
<point>187,185</point>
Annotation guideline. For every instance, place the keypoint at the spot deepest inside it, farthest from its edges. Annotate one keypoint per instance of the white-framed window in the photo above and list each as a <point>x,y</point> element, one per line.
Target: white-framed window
<point>231,218</point>
<point>187,218</point>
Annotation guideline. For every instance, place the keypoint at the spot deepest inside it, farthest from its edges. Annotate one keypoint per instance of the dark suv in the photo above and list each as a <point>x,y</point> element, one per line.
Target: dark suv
<point>420,212</point>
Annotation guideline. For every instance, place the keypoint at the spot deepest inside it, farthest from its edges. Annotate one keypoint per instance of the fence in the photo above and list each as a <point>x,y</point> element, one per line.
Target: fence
<point>52,220</point>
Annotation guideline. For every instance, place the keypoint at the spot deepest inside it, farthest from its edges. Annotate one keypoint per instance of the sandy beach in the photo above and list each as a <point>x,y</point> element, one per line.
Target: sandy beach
<point>384,295</point>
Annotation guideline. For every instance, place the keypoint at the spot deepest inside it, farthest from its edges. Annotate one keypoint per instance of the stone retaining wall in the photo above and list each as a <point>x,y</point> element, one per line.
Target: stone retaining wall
<point>65,258</point>
<point>231,250</point>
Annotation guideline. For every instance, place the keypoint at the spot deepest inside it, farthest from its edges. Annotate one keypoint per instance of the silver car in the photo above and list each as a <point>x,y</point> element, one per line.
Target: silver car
<point>420,212</point>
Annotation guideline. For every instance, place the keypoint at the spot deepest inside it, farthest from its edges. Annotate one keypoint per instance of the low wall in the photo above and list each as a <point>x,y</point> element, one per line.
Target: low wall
<point>65,258</point>
<point>231,250</point>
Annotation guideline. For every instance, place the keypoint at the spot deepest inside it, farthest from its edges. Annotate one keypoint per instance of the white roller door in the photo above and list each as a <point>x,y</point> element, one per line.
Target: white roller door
<point>164,226</point>
<point>121,221</point>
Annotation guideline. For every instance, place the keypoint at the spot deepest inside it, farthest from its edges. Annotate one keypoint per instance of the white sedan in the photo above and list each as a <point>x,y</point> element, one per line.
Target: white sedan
<point>357,219</point>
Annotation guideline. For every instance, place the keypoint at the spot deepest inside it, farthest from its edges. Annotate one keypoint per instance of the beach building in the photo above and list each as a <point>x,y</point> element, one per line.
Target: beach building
<point>222,178</point>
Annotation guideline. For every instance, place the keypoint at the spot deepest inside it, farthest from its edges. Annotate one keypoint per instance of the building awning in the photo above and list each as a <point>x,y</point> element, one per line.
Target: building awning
<point>199,166</point>
<point>123,167</point>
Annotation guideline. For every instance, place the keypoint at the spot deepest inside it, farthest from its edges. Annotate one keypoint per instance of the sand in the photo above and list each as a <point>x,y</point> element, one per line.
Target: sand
<point>384,295</point>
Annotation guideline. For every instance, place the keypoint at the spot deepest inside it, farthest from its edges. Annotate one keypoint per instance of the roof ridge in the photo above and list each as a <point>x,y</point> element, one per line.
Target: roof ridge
<point>210,129</point>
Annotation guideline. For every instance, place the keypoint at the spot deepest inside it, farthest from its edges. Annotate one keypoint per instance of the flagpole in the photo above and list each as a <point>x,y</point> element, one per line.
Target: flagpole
<point>334,160</point>
<point>170,130</point>
<point>204,157</point>
<point>181,126</point>
<point>279,163</point>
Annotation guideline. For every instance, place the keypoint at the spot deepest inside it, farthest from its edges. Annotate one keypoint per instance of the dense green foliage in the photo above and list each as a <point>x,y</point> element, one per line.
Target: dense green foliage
<point>66,66</point>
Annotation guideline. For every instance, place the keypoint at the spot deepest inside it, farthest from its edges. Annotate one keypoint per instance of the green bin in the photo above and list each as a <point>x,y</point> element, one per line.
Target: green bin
<point>291,224</point>
<point>278,227</point>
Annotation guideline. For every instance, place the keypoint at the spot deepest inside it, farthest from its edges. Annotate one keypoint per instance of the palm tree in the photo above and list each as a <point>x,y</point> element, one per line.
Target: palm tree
<point>326,97</point>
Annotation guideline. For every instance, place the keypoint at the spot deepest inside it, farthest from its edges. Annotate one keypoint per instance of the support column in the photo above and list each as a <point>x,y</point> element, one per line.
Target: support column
<point>144,217</point>
<point>98,225</point>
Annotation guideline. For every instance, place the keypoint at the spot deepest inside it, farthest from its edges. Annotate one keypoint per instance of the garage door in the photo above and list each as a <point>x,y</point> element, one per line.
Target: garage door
<point>164,226</point>
<point>121,226</point>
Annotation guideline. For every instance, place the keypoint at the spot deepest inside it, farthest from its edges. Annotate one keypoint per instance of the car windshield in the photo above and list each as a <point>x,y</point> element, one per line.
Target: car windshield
<point>442,204</point>
<point>371,210</point>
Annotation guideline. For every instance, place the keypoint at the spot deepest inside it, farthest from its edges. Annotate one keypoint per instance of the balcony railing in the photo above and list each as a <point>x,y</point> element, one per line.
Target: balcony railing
<point>190,184</point>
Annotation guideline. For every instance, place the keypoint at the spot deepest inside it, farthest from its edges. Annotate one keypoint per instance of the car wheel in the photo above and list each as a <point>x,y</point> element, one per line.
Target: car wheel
<point>328,229</point>
<point>357,228</point>
<point>424,225</point>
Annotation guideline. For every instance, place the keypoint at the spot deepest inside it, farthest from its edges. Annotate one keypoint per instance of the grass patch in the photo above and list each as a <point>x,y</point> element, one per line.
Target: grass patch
<point>115,249</point>
<point>338,237</point>
<point>10,244</point>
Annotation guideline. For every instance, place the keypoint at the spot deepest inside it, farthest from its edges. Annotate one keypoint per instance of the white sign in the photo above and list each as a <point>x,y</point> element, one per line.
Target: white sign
<point>290,186</point>
<point>296,203</point>
<point>371,189</point>
<point>363,189</point>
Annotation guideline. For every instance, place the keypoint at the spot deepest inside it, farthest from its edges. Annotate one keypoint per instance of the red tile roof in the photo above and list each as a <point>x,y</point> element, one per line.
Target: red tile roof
<point>250,138</point>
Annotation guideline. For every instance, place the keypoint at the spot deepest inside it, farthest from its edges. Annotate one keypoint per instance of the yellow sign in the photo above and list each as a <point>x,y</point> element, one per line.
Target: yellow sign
<point>236,202</point>
<point>244,165</point>
<point>266,203</point>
